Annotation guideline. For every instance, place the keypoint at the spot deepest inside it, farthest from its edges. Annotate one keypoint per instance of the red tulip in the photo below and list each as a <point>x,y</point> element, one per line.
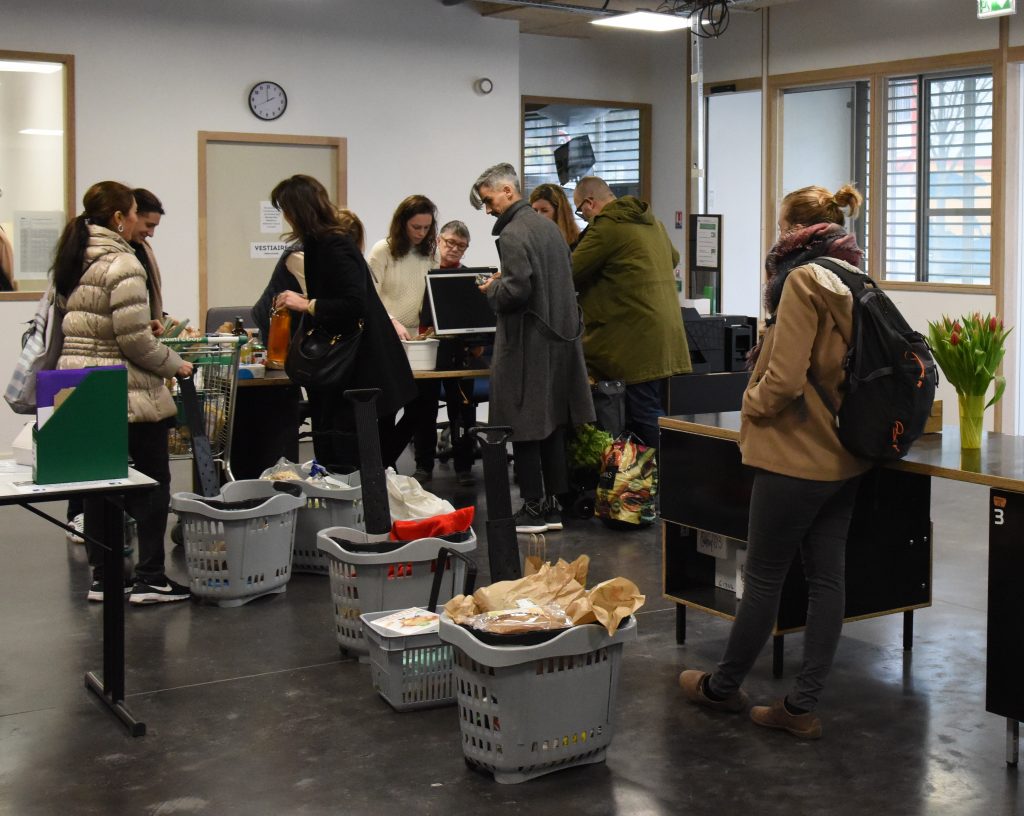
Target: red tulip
<point>954,338</point>
<point>956,326</point>
<point>992,323</point>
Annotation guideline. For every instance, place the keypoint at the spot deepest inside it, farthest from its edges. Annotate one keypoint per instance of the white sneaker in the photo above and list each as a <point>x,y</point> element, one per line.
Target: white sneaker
<point>78,522</point>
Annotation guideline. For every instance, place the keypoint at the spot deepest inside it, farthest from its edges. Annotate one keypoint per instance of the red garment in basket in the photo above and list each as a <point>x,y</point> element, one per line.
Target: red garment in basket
<point>456,522</point>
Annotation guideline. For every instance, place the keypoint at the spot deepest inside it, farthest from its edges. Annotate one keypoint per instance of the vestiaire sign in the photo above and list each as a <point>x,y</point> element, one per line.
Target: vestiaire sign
<point>268,249</point>
<point>996,8</point>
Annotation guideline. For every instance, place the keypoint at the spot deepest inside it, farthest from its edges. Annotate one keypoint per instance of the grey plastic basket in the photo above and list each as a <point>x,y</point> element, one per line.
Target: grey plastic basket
<point>415,671</point>
<point>526,711</point>
<point>234,556</point>
<point>324,507</point>
<point>364,582</point>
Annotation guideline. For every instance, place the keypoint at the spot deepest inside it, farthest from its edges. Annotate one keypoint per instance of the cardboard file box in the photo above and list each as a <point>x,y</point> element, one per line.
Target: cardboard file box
<point>86,437</point>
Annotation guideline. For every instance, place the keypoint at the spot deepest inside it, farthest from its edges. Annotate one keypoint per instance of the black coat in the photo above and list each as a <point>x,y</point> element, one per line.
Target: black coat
<point>281,281</point>
<point>338,278</point>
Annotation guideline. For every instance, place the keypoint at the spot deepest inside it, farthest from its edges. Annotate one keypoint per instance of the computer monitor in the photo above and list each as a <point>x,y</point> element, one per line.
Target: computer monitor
<point>456,302</point>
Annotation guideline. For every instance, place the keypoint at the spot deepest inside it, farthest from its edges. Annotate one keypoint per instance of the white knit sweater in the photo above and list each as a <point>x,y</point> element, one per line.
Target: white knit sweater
<point>400,283</point>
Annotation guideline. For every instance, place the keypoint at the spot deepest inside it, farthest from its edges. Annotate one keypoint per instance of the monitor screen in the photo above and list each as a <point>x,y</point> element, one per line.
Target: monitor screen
<point>457,304</point>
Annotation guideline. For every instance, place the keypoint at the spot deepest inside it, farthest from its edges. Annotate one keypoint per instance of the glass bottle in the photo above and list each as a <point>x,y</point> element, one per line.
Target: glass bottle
<point>239,329</point>
<point>280,337</point>
<point>245,353</point>
<point>259,351</point>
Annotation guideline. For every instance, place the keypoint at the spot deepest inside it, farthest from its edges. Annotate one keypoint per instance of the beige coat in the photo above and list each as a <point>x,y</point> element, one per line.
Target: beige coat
<point>786,427</point>
<point>107,323</point>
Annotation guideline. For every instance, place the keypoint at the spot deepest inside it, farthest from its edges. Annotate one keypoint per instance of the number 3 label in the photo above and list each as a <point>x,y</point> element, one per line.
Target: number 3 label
<point>997,516</point>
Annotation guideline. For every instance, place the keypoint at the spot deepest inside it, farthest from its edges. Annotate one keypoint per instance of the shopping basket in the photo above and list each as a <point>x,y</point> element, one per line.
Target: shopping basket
<point>214,373</point>
<point>238,545</point>
<point>417,671</point>
<point>339,505</point>
<point>370,573</point>
<point>526,711</point>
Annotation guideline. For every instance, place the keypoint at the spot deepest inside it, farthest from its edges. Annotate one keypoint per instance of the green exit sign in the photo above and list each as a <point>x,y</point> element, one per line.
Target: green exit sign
<point>996,8</point>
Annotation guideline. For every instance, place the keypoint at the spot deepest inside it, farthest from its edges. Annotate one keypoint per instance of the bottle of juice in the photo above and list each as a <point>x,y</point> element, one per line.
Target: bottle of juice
<point>280,338</point>
<point>245,353</point>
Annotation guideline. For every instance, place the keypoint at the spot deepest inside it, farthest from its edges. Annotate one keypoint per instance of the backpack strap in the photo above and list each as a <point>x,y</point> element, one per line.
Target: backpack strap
<point>856,283</point>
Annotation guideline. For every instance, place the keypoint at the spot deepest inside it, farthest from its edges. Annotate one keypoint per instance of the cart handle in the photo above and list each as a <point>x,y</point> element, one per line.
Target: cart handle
<point>442,561</point>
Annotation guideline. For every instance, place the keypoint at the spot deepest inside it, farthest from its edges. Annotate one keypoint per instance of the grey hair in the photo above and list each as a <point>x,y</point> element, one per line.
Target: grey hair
<point>456,228</point>
<point>492,177</point>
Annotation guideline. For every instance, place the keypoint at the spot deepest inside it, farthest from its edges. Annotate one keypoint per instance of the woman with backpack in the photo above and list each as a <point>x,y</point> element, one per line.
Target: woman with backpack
<point>102,286</point>
<point>805,481</point>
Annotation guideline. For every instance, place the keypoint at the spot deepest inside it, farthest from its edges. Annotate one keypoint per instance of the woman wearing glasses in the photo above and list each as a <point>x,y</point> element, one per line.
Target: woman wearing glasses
<point>549,200</point>
<point>399,265</point>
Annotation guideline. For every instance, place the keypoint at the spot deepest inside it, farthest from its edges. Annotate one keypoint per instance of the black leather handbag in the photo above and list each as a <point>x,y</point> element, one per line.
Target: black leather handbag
<point>319,359</point>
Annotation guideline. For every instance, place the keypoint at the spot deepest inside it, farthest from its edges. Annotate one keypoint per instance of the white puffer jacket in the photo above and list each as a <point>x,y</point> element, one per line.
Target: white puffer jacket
<point>107,323</point>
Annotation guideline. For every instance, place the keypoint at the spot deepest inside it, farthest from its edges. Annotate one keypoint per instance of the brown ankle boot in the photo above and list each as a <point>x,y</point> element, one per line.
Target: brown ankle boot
<point>804,726</point>
<point>692,683</point>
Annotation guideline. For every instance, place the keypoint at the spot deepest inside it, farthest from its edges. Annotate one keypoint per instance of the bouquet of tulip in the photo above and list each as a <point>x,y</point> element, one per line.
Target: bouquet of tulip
<point>969,351</point>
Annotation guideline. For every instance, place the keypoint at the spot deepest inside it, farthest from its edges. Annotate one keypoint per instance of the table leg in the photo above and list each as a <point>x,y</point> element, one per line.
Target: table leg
<point>778,654</point>
<point>680,624</point>
<point>111,688</point>
<point>908,630</point>
<point>1012,741</point>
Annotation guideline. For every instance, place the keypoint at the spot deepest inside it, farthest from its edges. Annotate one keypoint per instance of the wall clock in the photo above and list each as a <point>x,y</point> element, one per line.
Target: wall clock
<point>267,101</point>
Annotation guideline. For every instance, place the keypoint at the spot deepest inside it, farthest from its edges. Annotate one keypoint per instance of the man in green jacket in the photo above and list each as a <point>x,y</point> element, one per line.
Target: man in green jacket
<point>623,268</point>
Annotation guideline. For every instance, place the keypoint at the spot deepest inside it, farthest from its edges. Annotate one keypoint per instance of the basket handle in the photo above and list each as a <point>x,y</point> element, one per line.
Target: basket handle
<point>442,561</point>
<point>289,488</point>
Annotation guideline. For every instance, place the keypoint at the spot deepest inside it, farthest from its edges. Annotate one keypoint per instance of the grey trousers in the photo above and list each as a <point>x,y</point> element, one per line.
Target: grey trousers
<point>787,516</point>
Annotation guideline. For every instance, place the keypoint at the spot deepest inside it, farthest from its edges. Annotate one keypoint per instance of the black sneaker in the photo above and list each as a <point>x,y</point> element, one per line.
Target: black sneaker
<point>530,518</point>
<point>96,589</point>
<point>162,591</point>
<point>552,513</point>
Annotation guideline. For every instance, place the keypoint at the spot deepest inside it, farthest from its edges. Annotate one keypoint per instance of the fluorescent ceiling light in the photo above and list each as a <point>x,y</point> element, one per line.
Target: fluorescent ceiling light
<point>22,67</point>
<point>645,21</point>
<point>41,132</point>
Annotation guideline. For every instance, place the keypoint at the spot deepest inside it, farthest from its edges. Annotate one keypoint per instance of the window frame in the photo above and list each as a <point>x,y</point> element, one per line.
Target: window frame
<point>644,146</point>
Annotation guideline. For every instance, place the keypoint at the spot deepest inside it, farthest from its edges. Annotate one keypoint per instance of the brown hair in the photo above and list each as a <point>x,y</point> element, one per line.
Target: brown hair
<point>398,238</point>
<point>555,196</point>
<point>816,205</point>
<point>305,203</point>
<point>352,227</point>
<point>101,202</point>
<point>147,202</point>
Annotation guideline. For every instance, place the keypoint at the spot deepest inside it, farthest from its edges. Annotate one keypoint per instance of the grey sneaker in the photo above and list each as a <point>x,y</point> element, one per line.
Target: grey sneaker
<point>530,518</point>
<point>552,513</point>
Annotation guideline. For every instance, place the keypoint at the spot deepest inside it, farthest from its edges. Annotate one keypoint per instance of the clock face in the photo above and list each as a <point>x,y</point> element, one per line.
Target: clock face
<point>267,100</point>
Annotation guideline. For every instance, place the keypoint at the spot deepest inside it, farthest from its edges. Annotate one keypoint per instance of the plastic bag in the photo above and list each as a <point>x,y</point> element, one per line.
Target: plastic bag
<point>283,470</point>
<point>526,617</point>
<point>408,500</point>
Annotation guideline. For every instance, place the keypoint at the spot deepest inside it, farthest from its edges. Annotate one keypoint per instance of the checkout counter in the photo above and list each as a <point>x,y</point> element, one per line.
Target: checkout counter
<point>704,486</point>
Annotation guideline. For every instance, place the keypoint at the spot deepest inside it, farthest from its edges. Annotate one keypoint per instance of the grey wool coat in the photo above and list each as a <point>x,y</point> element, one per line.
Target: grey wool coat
<point>538,375</point>
<point>107,323</point>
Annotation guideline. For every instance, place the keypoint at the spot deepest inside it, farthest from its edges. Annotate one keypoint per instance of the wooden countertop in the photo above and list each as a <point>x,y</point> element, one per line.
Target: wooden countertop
<point>999,463</point>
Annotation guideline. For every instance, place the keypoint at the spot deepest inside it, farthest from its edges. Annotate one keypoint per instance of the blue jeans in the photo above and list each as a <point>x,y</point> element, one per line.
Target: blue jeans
<point>788,516</point>
<point>643,408</point>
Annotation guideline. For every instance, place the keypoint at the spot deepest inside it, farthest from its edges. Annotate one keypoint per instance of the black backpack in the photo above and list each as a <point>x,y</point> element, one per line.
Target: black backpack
<point>890,375</point>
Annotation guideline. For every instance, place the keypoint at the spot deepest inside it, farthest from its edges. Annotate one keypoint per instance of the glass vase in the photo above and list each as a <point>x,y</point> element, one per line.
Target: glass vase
<point>972,417</point>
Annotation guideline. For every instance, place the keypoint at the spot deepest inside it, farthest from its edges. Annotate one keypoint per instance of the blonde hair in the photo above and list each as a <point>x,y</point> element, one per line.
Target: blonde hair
<point>814,205</point>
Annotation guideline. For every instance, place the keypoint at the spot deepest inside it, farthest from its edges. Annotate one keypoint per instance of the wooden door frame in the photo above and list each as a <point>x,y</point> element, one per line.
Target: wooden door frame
<point>207,137</point>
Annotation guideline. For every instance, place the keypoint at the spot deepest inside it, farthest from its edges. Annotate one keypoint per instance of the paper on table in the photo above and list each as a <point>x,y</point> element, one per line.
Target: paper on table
<point>412,621</point>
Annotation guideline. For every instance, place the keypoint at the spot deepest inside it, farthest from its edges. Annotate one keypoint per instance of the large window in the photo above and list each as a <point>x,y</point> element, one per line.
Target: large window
<point>564,140</point>
<point>939,179</point>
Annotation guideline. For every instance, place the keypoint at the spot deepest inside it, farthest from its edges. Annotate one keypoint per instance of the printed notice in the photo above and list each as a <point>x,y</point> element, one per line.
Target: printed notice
<point>271,222</point>
<point>266,249</point>
<point>37,234</point>
<point>707,241</point>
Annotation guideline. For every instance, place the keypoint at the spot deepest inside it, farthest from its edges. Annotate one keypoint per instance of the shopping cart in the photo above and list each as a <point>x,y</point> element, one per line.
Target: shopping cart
<point>215,368</point>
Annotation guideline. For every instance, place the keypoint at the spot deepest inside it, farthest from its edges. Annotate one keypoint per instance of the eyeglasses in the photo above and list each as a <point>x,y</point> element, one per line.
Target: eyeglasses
<point>453,245</point>
<point>579,209</point>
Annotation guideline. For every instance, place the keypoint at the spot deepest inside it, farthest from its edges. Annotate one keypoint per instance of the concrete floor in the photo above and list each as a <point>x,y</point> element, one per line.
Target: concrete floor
<point>251,710</point>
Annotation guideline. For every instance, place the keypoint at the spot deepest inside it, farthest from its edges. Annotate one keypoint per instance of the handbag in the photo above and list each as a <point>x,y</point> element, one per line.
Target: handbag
<point>41,346</point>
<point>319,359</point>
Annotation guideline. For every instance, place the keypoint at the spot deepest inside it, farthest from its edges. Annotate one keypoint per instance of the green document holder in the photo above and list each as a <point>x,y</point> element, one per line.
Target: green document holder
<point>87,437</point>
